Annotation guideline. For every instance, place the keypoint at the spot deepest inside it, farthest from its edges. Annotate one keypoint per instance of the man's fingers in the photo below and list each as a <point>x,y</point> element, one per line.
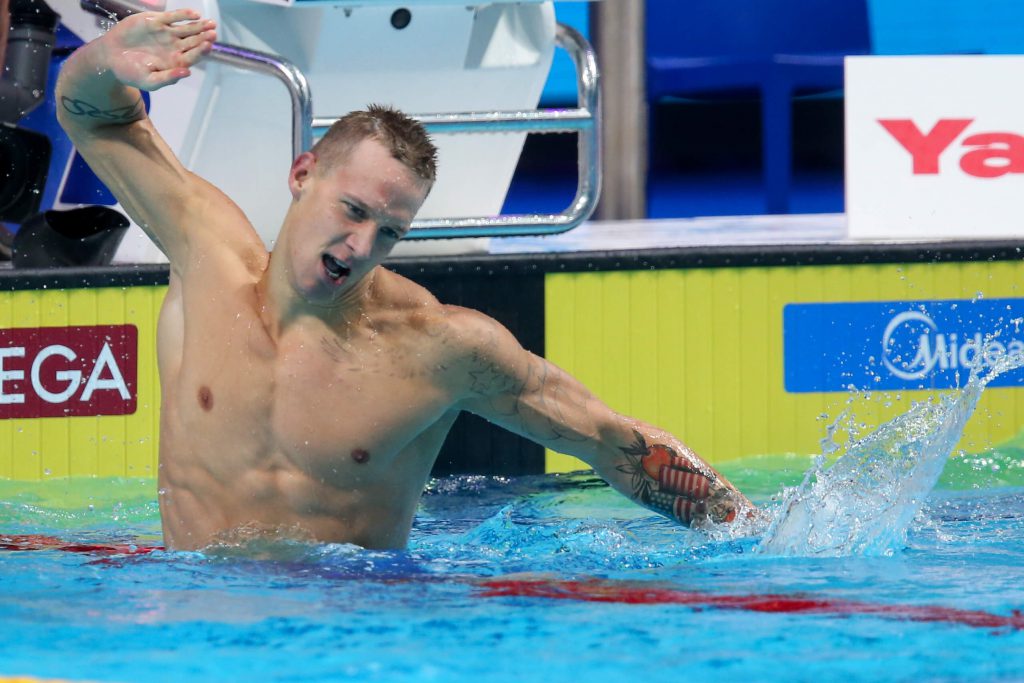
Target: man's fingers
<point>191,56</point>
<point>192,28</point>
<point>179,15</point>
<point>192,42</point>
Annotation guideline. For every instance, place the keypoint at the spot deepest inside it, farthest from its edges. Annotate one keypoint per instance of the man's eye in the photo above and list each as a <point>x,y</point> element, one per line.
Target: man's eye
<point>355,211</point>
<point>391,233</point>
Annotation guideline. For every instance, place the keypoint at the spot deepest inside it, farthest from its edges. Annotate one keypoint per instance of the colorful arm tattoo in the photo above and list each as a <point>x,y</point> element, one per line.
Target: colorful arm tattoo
<point>674,485</point>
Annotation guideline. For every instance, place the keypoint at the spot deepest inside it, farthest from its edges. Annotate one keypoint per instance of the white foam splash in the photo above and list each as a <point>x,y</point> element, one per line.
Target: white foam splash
<point>864,502</point>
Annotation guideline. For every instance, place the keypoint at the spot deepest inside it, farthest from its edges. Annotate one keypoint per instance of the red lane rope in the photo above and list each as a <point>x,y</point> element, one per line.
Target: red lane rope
<point>29,542</point>
<point>596,590</point>
<point>633,594</point>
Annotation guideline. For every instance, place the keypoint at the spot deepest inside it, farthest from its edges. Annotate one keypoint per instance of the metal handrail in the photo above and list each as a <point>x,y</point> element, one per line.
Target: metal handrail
<point>583,120</point>
<point>286,72</point>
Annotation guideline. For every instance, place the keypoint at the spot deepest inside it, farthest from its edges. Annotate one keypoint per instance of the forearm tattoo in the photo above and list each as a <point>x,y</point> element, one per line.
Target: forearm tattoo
<point>115,115</point>
<point>674,485</point>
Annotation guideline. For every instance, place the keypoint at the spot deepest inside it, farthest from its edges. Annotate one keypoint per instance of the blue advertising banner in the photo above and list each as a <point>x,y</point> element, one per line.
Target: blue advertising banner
<point>882,345</point>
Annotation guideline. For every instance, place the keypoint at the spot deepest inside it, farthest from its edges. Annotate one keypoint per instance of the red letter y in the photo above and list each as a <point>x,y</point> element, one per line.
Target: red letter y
<point>925,149</point>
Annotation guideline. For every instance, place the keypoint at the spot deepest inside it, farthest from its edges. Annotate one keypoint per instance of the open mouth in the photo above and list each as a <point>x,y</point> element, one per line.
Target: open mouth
<point>336,269</point>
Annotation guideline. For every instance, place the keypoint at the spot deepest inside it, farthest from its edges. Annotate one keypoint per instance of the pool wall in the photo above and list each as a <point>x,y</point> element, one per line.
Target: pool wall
<point>83,445</point>
<point>696,340</point>
<point>700,351</point>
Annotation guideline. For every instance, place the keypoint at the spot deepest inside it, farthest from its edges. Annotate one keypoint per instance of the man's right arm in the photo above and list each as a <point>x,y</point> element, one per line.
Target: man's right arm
<point>99,104</point>
<point>507,385</point>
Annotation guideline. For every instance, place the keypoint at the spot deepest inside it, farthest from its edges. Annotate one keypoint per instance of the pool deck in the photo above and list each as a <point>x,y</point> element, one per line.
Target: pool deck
<point>664,233</point>
<point>671,233</point>
<point>754,240</point>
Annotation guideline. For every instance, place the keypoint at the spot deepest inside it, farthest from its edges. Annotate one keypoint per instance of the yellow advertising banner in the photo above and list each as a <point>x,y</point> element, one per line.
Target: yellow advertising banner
<point>702,352</point>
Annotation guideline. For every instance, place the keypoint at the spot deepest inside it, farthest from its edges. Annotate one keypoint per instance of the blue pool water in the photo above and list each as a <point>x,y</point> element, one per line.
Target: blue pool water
<point>859,569</point>
<point>567,559</point>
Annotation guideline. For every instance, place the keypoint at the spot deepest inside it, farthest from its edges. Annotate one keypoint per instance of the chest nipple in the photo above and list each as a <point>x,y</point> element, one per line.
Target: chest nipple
<point>360,456</point>
<point>205,398</point>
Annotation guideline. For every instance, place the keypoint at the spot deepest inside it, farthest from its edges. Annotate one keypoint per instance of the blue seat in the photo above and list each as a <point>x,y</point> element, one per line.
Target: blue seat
<point>771,49</point>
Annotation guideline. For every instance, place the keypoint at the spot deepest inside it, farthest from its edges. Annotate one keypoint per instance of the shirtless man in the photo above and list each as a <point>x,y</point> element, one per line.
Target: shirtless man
<point>311,389</point>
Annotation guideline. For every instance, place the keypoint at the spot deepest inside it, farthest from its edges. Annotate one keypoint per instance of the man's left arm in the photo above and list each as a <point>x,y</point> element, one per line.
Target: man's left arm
<point>530,396</point>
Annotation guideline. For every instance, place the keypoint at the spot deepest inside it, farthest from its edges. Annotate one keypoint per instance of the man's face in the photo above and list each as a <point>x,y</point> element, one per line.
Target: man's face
<point>347,219</point>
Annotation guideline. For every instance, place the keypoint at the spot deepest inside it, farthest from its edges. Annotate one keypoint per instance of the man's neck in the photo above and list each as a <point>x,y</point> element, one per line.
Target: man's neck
<point>280,304</point>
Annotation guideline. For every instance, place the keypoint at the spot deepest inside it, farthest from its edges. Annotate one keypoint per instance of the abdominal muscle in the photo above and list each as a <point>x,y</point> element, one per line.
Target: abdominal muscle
<point>199,510</point>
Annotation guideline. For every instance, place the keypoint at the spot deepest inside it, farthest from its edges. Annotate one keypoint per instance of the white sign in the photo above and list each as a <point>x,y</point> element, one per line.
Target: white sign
<point>935,147</point>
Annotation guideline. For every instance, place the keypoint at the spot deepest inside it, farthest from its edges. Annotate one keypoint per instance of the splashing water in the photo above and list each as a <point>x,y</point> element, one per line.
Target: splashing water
<point>864,502</point>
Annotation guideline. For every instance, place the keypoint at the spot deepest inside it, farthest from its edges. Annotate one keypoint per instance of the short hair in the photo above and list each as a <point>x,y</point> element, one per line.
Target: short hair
<point>403,136</point>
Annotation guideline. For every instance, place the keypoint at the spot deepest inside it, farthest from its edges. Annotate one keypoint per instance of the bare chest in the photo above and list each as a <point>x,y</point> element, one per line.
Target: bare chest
<point>345,412</point>
<point>361,402</point>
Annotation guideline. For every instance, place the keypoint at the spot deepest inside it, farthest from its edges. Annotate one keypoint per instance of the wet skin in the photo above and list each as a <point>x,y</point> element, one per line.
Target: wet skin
<point>307,392</point>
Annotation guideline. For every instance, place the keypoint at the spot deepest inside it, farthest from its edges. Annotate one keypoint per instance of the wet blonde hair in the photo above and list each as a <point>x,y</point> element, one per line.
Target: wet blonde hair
<point>404,137</point>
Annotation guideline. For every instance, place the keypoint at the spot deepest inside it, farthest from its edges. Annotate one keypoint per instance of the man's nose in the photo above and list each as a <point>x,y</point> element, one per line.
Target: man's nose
<point>361,241</point>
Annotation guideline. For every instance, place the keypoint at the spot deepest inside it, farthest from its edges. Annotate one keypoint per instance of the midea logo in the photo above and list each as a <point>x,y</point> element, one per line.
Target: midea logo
<point>913,347</point>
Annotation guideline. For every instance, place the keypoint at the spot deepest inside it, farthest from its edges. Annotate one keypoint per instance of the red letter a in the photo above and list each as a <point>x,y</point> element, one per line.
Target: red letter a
<point>925,149</point>
<point>997,154</point>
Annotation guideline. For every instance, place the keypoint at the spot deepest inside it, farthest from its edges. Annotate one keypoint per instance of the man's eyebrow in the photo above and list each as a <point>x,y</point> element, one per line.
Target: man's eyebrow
<point>355,201</point>
<point>365,206</point>
<point>386,218</point>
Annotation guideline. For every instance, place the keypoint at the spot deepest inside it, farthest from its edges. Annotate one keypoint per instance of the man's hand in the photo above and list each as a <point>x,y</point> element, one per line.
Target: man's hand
<point>153,49</point>
<point>102,111</point>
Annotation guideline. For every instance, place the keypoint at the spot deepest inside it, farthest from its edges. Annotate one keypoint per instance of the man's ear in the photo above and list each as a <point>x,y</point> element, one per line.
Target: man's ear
<point>302,170</point>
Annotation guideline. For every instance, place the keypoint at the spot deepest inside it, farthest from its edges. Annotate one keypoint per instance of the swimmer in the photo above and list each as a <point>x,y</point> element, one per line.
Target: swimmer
<point>311,388</point>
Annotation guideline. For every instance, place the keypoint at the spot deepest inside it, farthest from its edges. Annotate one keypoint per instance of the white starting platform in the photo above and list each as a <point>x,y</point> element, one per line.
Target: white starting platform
<point>459,68</point>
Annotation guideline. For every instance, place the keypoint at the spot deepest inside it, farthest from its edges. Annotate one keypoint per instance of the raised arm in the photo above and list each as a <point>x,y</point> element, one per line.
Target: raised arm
<point>100,106</point>
<point>532,397</point>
